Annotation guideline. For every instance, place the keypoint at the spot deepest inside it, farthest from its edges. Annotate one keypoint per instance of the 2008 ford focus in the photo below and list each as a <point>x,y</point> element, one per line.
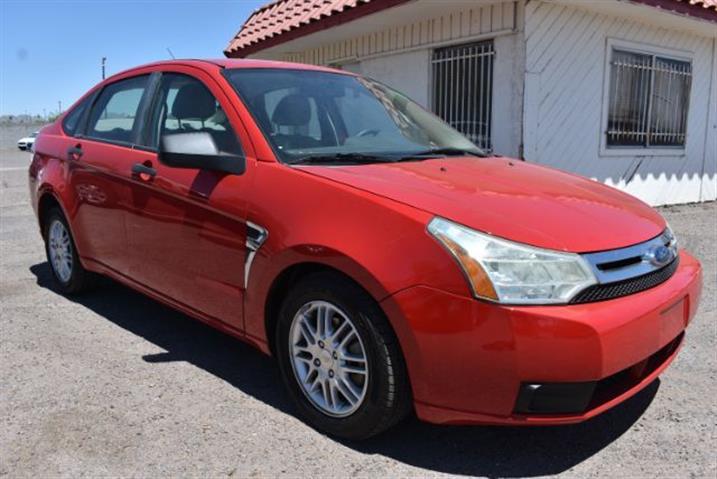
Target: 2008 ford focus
<point>387,263</point>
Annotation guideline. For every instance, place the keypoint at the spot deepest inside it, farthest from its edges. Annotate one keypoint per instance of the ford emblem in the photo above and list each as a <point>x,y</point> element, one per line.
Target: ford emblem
<point>659,255</point>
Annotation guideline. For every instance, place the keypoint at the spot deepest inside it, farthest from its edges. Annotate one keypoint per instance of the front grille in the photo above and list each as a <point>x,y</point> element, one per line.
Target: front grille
<point>602,292</point>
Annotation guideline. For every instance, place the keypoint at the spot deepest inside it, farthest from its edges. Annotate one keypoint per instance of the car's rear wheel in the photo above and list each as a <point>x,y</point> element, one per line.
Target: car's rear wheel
<point>70,277</point>
<point>340,359</point>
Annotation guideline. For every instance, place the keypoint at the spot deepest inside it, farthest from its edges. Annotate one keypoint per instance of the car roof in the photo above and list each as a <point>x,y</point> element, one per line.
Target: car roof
<point>228,63</point>
<point>209,65</point>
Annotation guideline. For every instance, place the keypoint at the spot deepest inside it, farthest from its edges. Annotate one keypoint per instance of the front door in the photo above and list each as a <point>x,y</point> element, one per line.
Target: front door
<point>187,227</point>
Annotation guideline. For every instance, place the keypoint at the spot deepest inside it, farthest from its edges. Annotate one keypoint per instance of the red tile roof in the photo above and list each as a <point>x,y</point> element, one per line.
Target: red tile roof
<point>703,3</point>
<point>704,9</point>
<point>281,17</point>
<point>283,20</point>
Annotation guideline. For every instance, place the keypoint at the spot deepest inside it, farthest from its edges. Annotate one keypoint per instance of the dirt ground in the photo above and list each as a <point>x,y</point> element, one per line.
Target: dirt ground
<point>115,384</point>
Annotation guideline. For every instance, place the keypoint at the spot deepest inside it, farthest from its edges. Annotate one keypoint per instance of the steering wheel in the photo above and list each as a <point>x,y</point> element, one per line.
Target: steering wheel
<point>367,132</point>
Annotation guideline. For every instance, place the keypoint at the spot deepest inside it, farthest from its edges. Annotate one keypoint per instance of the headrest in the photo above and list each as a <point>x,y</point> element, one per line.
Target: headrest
<point>193,101</point>
<point>292,110</point>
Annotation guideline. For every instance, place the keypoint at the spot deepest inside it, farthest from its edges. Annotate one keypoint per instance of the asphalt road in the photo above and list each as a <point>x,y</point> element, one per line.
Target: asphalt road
<point>115,384</point>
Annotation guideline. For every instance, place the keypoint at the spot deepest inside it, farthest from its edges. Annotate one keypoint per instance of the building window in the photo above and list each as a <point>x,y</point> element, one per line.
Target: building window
<point>648,101</point>
<point>463,89</point>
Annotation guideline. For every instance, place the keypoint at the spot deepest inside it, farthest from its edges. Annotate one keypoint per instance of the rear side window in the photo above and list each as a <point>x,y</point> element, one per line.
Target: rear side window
<point>72,120</point>
<point>115,113</point>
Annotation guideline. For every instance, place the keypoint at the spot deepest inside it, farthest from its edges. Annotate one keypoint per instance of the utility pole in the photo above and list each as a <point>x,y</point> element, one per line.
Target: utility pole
<point>104,59</point>
<point>59,107</point>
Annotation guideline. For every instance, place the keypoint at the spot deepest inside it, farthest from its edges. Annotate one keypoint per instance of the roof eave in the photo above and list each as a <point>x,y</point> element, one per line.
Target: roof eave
<point>336,19</point>
<point>699,12</point>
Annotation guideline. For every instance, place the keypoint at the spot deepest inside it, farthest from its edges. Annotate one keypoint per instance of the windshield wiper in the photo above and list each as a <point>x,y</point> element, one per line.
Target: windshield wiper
<point>367,159</point>
<point>342,158</point>
<point>443,152</point>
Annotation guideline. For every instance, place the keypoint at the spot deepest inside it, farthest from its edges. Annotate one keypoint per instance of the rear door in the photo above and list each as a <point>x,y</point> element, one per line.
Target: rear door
<point>100,158</point>
<point>187,227</point>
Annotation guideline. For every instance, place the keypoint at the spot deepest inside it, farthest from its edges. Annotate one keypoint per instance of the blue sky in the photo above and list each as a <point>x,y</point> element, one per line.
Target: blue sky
<point>50,51</point>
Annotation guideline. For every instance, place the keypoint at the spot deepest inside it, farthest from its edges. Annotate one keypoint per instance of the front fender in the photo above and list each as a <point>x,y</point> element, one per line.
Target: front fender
<point>381,244</point>
<point>266,271</point>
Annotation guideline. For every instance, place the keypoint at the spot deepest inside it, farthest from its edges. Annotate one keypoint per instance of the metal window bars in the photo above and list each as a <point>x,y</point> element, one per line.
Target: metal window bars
<point>648,101</point>
<point>463,89</point>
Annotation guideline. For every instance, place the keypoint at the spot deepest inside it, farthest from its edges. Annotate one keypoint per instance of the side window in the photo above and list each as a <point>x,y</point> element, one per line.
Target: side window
<point>185,104</point>
<point>115,112</point>
<point>72,120</point>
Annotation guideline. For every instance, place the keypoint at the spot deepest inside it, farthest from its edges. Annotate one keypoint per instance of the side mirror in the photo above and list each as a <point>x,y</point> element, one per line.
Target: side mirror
<point>198,150</point>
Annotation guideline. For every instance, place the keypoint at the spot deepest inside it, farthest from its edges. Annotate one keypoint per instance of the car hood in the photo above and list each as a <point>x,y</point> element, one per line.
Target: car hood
<point>512,199</point>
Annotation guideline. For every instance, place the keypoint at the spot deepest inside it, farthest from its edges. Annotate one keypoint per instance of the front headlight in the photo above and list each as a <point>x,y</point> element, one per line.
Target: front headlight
<point>506,272</point>
<point>670,238</point>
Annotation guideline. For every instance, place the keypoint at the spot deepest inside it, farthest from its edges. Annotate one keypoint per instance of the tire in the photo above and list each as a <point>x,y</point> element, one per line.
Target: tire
<point>60,249</point>
<point>383,387</point>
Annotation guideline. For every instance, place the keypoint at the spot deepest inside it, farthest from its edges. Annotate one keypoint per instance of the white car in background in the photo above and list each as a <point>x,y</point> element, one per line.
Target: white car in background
<point>25,144</point>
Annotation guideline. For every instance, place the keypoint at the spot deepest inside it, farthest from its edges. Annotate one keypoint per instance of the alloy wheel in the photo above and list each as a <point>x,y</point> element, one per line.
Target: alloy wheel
<point>328,358</point>
<point>60,249</point>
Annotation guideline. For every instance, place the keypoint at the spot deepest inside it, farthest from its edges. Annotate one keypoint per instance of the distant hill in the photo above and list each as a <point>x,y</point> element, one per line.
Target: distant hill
<point>7,120</point>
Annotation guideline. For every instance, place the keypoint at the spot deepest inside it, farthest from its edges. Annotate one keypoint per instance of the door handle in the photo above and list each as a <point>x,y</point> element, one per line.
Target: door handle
<point>144,172</point>
<point>74,152</point>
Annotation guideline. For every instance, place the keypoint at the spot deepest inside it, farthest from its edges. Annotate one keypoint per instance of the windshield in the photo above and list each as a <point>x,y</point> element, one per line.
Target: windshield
<point>312,115</point>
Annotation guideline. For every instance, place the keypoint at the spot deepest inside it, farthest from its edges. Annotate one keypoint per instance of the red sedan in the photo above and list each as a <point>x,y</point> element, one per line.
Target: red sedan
<point>388,263</point>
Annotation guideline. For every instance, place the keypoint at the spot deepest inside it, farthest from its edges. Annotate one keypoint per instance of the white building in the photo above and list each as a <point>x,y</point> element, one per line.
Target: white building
<point>623,91</point>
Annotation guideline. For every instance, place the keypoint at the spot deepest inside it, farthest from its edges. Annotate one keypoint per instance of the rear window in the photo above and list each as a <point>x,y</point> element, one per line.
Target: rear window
<point>116,109</point>
<point>72,120</point>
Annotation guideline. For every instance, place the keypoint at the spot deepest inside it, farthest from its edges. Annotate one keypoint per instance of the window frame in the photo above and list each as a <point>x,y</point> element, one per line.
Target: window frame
<point>613,44</point>
<point>140,120</point>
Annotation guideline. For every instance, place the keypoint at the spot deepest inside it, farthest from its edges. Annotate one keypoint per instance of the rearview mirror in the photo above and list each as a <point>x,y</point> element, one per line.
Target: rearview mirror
<point>198,150</point>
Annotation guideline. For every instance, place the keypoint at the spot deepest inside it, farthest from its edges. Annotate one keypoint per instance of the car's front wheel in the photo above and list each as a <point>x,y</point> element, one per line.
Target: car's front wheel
<point>340,359</point>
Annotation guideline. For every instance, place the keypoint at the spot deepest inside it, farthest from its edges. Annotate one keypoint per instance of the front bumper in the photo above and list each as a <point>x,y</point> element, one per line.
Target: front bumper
<point>469,361</point>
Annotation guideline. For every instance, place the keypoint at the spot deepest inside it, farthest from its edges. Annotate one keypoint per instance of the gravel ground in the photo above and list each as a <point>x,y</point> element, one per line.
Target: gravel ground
<point>115,384</point>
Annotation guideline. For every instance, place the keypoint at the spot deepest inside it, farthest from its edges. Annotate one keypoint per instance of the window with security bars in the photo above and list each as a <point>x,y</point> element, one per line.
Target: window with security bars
<point>648,101</point>
<point>463,89</point>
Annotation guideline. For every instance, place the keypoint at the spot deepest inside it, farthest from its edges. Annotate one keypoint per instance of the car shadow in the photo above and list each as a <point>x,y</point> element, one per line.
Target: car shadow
<point>463,450</point>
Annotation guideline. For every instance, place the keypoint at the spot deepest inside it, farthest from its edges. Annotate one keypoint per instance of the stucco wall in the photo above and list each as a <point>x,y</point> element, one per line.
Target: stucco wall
<point>566,51</point>
<point>708,190</point>
<point>508,69</point>
<point>406,72</point>
<point>420,24</point>
<point>410,73</point>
